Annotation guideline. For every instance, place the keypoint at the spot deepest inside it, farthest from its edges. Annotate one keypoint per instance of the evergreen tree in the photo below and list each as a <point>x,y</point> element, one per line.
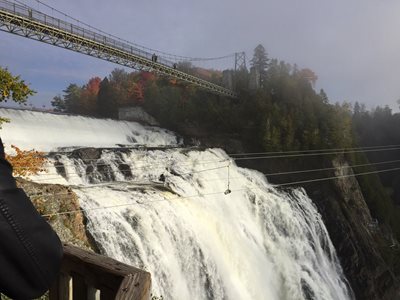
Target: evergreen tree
<point>106,103</point>
<point>59,104</point>
<point>260,62</point>
<point>323,96</point>
<point>72,97</point>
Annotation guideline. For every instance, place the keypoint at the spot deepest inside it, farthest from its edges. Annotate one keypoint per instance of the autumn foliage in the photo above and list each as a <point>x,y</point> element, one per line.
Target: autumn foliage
<point>102,98</point>
<point>26,162</point>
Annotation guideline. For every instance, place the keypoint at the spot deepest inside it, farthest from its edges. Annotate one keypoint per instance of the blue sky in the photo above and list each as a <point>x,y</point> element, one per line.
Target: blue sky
<point>353,46</point>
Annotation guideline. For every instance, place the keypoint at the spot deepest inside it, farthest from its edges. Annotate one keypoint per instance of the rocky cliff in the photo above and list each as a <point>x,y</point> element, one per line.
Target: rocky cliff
<point>363,245</point>
<point>50,199</point>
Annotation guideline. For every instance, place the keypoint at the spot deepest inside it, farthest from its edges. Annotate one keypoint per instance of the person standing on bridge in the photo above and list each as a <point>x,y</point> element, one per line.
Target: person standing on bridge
<point>30,251</point>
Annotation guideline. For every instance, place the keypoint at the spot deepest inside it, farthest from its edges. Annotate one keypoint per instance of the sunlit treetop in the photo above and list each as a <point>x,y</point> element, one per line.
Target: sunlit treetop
<point>13,88</point>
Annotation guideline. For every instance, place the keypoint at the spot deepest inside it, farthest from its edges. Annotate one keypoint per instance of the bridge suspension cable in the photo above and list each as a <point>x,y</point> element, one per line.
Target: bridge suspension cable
<point>27,22</point>
<point>166,55</point>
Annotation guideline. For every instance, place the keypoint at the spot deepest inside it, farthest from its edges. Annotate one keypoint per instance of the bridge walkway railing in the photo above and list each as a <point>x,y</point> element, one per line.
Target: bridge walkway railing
<point>25,21</point>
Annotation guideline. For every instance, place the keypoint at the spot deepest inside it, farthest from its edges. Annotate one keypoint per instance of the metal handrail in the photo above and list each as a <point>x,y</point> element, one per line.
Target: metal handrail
<point>30,23</point>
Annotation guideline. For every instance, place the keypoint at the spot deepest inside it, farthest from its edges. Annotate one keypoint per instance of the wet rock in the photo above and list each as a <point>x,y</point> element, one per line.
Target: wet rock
<point>86,154</point>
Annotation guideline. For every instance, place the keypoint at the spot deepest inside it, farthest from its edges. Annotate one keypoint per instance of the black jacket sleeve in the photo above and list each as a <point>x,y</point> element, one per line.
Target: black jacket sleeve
<point>30,251</point>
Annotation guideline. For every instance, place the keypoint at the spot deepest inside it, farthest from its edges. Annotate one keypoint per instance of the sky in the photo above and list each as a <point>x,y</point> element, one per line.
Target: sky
<point>352,46</point>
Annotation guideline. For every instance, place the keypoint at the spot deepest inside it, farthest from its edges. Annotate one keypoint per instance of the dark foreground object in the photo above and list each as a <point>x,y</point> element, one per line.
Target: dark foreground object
<point>93,273</point>
<point>30,251</point>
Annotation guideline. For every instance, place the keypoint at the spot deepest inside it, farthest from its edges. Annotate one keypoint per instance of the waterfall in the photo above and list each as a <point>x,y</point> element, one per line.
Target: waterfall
<point>46,131</point>
<point>197,240</point>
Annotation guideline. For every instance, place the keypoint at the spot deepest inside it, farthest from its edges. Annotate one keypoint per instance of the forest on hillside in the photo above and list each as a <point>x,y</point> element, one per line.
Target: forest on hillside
<point>284,112</point>
<point>377,127</point>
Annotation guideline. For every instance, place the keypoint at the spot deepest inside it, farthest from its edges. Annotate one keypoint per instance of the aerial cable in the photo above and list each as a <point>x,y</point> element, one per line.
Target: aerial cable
<point>336,177</point>
<point>308,151</point>
<point>296,154</point>
<point>42,179</point>
<point>241,153</point>
<point>337,150</point>
<point>216,193</point>
<point>313,154</point>
<point>213,179</point>
<point>332,168</point>
<point>277,156</point>
<point>205,170</point>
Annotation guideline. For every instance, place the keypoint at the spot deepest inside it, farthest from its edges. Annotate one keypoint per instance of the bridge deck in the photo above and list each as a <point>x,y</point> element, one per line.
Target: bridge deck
<point>27,22</point>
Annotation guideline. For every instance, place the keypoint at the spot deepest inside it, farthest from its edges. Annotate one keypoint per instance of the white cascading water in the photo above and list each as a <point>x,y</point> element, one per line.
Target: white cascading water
<point>257,242</point>
<point>50,131</point>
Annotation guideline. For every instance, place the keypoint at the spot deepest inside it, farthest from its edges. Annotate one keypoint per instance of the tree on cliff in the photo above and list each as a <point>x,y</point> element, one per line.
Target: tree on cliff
<point>260,62</point>
<point>12,88</point>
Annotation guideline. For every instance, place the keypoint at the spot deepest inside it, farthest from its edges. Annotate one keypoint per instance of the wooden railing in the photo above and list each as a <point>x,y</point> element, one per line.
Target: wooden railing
<point>85,275</point>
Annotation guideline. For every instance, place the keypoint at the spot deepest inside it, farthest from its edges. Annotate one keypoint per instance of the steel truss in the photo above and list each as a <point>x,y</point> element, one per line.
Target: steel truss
<point>29,23</point>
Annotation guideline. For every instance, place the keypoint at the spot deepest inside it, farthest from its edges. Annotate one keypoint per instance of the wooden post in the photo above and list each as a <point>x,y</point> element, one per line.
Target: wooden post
<point>60,289</point>
<point>79,288</point>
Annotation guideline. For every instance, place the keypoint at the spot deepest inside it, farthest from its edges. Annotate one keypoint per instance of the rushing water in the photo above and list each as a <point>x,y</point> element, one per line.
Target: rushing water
<point>198,242</point>
<point>46,131</point>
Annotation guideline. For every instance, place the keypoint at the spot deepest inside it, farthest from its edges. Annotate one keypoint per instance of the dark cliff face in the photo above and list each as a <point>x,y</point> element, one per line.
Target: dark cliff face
<point>363,246</point>
<point>359,240</point>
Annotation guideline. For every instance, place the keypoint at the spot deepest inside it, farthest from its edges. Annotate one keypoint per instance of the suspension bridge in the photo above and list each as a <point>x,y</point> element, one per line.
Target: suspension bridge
<point>23,20</point>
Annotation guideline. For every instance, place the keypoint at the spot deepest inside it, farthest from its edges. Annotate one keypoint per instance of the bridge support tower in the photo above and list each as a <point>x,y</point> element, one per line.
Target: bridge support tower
<point>240,61</point>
